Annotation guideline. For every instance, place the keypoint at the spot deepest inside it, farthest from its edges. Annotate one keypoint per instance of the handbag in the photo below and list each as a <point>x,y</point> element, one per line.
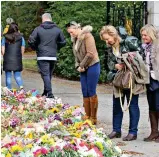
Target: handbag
<point>124,80</point>
<point>154,84</point>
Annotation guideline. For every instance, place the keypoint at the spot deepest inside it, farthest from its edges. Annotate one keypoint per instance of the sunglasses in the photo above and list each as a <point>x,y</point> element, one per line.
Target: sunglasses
<point>72,23</point>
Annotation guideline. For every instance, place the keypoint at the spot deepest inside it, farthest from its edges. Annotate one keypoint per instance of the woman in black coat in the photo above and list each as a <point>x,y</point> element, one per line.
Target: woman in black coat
<point>13,46</point>
<point>150,38</point>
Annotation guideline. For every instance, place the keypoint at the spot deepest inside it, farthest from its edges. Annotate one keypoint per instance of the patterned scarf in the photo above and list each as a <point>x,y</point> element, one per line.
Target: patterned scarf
<point>148,49</point>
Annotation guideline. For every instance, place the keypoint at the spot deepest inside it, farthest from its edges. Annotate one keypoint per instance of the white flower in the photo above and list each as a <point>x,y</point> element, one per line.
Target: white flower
<point>117,149</point>
<point>91,152</point>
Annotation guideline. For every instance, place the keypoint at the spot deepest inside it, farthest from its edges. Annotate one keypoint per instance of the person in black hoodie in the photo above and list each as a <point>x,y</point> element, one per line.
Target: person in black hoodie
<point>46,39</point>
<point>13,47</point>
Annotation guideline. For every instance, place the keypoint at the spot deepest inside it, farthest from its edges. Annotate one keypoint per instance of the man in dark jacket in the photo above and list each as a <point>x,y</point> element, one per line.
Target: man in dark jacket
<point>46,39</point>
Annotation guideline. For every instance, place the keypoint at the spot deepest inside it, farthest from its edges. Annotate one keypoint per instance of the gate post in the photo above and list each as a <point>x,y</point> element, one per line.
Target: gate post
<point>153,17</point>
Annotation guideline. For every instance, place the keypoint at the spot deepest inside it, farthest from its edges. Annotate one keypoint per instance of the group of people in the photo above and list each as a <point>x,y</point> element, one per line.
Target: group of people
<point>47,39</point>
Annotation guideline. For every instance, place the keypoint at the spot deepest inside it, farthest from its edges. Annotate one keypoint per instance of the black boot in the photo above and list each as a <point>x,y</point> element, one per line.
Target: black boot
<point>50,96</point>
<point>44,93</point>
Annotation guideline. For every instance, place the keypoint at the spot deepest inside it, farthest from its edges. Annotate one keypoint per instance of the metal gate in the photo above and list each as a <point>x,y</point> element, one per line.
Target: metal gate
<point>131,15</point>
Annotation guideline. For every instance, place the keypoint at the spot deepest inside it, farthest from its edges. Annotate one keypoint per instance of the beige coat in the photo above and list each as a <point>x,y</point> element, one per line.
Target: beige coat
<point>84,49</point>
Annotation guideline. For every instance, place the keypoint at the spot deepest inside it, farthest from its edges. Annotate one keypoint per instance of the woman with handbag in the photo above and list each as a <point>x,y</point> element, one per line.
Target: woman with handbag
<point>150,37</point>
<point>87,63</point>
<point>116,47</point>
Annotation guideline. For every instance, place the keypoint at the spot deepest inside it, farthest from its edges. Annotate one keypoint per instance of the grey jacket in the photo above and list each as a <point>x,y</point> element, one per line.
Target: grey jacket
<point>155,58</point>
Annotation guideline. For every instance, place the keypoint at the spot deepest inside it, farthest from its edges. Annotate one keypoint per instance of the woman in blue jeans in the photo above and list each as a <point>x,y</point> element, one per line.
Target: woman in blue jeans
<point>87,63</point>
<point>117,47</point>
<point>13,46</point>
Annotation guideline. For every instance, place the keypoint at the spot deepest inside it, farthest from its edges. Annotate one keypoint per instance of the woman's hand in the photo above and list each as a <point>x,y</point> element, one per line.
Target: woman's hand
<point>79,69</point>
<point>119,66</point>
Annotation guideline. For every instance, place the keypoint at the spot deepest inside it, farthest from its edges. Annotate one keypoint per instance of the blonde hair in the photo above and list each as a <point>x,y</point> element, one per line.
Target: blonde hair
<point>151,31</point>
<point>74,25</point>
<point>110,30</point>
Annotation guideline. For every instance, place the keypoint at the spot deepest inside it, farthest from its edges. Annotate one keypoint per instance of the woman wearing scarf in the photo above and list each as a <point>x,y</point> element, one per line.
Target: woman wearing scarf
<point>150,37</point>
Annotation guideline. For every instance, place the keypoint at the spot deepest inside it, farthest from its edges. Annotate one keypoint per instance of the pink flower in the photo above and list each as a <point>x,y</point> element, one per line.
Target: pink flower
<point>40,152</point>
<point>37,153</point>
<point>44,151</point>
<point>51,149</point>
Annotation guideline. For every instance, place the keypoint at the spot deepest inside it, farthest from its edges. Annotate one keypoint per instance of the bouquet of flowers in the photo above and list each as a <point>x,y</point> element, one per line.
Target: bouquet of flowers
<point>35,126</point>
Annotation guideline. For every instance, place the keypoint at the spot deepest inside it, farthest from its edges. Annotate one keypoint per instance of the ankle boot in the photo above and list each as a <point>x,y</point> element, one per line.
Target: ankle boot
<point>154,126</point>
<point>86,105</point>
<point>94,107</point>
<point>157,140</point>
<point>44,93</point>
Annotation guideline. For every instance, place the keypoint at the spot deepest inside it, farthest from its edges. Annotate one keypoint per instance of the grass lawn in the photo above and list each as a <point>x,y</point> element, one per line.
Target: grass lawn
<point>30,64</point>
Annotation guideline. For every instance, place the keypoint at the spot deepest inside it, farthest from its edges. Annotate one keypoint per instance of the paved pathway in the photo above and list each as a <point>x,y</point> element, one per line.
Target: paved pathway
<point>70,93</point>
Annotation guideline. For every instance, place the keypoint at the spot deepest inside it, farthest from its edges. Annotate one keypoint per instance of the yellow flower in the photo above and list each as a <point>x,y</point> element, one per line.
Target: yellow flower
<point>54,110</point>
<point>8,155</point>
<point>51,141</point>
<point>16,148</point>
<point>99,145</point>
<point>60,124</point>
<point>29,146</point>
<point>13,133</point>
<point>29,135</point>
<point>20,143</point>
<point>48,112</point>
<point>76,106</point>
<point>88,122</point>
<point>78,125</point>
<point>45,138</point>
<point>78,135</point>
<point>72,142</point>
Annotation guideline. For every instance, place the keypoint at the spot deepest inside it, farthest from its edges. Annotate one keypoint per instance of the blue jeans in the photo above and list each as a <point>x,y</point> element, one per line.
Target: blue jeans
<point>134,113</point>
<point>17,77</point>
<point>89,80</point>
<point>46,68</point>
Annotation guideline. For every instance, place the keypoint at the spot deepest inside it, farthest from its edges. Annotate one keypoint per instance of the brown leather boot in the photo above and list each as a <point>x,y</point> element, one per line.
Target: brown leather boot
<point>157,140</point>
<point>154,126</point>
<point>94,107</point>
<point>86,105</point>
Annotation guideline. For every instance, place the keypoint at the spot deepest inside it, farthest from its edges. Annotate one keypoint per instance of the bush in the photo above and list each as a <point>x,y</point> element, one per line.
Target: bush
<point>86,13</point>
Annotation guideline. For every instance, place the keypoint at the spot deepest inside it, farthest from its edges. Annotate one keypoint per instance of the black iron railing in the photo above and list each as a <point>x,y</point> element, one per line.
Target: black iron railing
<point>131,15</point>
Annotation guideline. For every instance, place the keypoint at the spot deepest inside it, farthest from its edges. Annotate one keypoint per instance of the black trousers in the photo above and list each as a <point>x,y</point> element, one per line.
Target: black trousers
<point>153,99</point>
<point>46,69</point>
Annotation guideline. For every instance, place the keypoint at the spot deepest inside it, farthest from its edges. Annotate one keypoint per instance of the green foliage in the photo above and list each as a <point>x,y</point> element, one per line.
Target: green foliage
<point>27,14</point>
<point>86,13</point>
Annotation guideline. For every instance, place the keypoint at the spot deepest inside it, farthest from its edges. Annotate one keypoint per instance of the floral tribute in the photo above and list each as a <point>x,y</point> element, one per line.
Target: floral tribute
<point>35,126</point>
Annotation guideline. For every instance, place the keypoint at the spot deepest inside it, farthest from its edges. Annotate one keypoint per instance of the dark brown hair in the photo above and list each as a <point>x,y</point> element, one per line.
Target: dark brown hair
<point>13,31</point>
